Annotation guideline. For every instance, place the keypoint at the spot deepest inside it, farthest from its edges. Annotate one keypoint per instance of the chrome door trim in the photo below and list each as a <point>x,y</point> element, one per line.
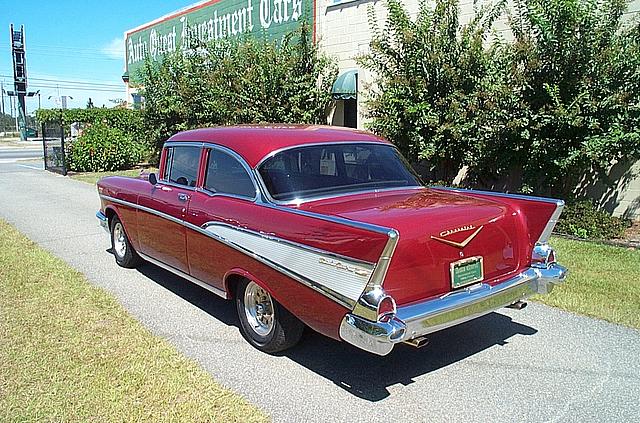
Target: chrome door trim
<point>218,292</point>
<point>335,296</point>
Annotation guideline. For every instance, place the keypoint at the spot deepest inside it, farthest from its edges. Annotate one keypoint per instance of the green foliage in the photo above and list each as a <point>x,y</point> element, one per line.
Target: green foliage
<point>536,112</point>
<point>584,220</point>
<point>126,120</point>
<point>579,70</point>
<point>236,81</point>
<point>103,148</point>
<point>436,85</point>
<point>113,139</point>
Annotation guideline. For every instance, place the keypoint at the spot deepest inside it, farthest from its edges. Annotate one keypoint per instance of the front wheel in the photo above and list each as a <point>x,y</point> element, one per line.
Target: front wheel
<point>124,253</point>
<point>263,321</point>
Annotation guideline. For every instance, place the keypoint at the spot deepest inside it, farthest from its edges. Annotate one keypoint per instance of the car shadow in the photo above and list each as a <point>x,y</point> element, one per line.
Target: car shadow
<point>362,374</point>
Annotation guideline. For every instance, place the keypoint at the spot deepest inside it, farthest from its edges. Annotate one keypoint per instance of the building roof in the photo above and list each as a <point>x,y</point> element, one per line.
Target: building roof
<point>254,142</point>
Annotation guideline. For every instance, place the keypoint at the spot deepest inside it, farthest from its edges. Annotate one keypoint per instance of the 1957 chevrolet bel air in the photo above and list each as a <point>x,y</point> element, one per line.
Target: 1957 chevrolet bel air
<point>328,228</point>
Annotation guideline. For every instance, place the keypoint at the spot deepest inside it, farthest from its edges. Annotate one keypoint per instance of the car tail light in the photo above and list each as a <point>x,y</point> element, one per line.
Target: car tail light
<point>386,309</point>
<point>542,256</point>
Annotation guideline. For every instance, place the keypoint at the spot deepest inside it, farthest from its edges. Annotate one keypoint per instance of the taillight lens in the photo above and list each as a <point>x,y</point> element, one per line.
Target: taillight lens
<point>386,309</point>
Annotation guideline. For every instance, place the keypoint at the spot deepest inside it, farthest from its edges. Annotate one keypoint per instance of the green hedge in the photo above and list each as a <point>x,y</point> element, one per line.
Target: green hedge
<point>103,148</point>
<point>584,220</point>
<point>534,112</point>
<point>112,139</point>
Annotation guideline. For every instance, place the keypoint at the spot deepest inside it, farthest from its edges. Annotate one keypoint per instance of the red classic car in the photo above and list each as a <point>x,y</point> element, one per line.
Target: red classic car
<point>329,228</point>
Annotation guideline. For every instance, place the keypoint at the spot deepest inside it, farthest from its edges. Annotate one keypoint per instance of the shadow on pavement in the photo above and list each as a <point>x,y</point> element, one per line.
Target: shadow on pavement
<point>364,375</point>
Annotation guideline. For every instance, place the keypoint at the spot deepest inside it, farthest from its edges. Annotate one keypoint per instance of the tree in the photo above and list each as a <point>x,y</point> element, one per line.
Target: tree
<point>235,81</point>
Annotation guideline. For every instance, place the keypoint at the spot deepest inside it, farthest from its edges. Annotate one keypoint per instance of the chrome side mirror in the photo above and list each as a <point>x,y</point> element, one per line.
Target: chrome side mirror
<point>153,179</point>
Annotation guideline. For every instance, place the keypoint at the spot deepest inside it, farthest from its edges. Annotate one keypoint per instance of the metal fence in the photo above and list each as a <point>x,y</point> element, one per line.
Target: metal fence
<point>53,137</point>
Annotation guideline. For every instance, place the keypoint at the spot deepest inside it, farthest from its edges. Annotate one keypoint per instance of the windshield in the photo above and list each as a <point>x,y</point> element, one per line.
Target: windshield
<point>320,170</point>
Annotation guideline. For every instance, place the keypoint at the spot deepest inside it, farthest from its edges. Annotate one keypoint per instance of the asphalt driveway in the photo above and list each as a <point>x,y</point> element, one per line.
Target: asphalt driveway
<point>538,364</point>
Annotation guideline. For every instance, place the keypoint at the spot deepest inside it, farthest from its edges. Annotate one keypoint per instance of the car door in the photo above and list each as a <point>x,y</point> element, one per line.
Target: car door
<point>227,194</point>
<point>161,221</point>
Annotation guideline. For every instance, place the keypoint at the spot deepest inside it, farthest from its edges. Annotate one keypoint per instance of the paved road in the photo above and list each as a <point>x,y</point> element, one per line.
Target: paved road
<point>13,154</point>
<point>538,365</point>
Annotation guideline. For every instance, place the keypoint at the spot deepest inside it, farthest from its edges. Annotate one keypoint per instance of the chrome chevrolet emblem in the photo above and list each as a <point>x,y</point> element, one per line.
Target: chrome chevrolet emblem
<point>464,242</point>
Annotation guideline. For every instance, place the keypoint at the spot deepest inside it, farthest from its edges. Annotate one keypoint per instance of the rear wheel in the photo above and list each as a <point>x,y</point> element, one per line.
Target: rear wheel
<point>124,253</point>
<point>263,321</point>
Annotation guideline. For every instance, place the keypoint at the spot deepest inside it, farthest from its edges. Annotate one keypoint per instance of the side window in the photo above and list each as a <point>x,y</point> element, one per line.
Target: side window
<point>226,175</point>
<point>182,165</point>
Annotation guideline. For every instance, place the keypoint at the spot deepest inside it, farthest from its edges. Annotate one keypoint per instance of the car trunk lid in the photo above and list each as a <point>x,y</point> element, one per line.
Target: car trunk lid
<point>437,229</point>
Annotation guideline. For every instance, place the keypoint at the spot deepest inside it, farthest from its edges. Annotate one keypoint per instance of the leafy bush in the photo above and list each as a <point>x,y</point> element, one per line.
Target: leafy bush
<point>584,220</point>
<point>537,112</point>
<point>102,148</point>
<point>436,86</point>
<point>235,81</point>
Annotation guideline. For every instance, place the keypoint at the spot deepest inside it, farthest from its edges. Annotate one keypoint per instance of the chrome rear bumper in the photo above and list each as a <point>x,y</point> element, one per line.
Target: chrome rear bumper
<point>421,318</point>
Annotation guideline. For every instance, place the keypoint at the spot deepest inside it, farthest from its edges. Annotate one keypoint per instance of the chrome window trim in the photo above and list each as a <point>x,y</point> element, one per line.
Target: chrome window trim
<point>167,171</point>
<point>338,298</point>
<point>267,194</point>
<point>212,145</point>
<point>316,144</point>
<point>243,163</point>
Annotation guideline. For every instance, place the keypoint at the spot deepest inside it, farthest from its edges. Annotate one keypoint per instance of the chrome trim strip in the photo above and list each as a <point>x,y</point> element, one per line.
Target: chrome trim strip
<point>340,299</point>
<point>297,202</point>
<point>190,278</point>
<point>551,224</point>
<point>143,208</point>
<point>330,218</point>
<point>499,194</point>
<point>548,229</point>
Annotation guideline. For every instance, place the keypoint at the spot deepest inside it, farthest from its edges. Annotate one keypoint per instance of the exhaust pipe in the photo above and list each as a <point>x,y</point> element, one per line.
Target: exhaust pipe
<point>518,305</point>
<point>418,342</point>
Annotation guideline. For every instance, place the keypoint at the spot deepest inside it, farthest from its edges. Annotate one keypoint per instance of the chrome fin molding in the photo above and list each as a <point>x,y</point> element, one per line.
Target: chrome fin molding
<point>548,229</point>
<point>320,270</point>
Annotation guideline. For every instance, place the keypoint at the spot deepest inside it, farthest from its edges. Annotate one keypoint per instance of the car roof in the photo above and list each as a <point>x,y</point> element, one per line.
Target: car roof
<point>254,142</point>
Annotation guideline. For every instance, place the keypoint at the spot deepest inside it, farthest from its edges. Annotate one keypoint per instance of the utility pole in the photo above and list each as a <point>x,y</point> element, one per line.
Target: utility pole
<point>2,93</point>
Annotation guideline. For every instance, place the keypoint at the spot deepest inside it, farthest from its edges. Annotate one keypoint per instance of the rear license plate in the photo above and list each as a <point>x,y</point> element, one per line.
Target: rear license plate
<point>467,271</point>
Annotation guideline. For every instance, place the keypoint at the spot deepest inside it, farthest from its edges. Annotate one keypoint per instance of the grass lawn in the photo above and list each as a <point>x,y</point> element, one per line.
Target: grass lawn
<point>70,352</point>
<point>603,281</point>
<point>93,177</point>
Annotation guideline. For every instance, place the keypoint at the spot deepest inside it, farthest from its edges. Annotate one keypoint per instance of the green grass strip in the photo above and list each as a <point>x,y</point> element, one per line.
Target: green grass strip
<point>603,282</point>
<point>70,352</point>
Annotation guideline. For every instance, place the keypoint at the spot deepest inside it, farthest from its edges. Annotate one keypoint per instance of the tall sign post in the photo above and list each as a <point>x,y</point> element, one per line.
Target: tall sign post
<point>19,77</point>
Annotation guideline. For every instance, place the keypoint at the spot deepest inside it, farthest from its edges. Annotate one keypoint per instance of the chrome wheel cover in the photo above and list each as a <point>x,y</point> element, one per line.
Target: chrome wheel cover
<point>258,307</point>
<point>119,240</point>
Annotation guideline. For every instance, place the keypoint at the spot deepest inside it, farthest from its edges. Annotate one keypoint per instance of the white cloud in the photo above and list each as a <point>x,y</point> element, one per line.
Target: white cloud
<point>114,49</point>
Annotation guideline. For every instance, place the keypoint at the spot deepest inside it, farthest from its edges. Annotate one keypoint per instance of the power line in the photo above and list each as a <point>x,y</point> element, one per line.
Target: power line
<point>63,81</point>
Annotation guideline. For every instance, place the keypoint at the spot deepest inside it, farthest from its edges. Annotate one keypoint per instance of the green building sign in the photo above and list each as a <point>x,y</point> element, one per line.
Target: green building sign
<point>212,20</point>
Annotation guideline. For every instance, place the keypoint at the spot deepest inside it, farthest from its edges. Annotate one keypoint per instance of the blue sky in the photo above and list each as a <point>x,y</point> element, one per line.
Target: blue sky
<point>76,41</point>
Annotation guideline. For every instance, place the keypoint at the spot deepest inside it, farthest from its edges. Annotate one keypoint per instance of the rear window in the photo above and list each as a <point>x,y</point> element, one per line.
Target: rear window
<point>320,170</point>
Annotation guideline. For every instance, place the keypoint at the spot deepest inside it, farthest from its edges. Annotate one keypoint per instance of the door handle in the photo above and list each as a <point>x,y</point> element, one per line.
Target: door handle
<point>182,196</point>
